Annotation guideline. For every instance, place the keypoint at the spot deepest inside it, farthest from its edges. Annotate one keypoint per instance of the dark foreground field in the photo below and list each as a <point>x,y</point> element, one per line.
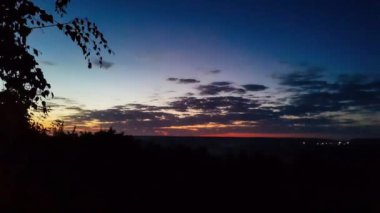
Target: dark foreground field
<point>114,173</point>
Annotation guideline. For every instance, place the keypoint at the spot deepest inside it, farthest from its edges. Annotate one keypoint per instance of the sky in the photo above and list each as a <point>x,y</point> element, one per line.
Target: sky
<point>220,68</point>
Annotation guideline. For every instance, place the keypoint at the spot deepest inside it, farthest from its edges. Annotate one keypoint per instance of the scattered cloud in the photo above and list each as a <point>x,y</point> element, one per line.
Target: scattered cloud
<point>188,81</point>
<point>312,94</point>
<point>221,83</point>
<point>184,80</point>
<point>67,101</point>
<point>215,88</point>
<point>223,104</point>
<point>75,108</point>
<point>214,71</point>
<point>314,104</point>
<point>309,78</point>
<point>254,87</point>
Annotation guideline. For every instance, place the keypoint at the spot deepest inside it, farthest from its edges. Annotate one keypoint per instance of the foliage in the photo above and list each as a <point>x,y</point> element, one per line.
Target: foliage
<point>24,81</point>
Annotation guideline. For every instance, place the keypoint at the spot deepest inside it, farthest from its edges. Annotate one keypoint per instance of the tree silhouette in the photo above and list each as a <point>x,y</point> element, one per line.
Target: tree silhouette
<point>25,86</point>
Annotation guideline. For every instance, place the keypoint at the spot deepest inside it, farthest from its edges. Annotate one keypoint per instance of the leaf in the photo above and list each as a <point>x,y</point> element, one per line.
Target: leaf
<point>60,26</point>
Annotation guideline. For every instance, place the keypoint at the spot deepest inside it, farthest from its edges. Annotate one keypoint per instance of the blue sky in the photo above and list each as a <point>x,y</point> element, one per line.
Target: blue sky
<point>249,42</point>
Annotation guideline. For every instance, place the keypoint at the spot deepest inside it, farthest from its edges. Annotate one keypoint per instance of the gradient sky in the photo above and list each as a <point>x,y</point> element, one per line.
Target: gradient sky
<point>234,68</point>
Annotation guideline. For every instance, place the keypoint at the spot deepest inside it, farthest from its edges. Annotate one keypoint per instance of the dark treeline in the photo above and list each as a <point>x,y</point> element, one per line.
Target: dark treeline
<point>109,172</point>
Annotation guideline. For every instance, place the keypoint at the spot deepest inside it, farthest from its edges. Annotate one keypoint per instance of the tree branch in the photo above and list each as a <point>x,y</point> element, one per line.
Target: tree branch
<point>50,25</point>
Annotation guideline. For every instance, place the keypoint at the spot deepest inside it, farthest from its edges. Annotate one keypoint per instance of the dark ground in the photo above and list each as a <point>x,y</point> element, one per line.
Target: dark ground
<point>114,173</point>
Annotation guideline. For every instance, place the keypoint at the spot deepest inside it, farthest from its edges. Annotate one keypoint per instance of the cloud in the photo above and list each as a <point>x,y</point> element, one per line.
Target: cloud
<point>188,81</point>
<point>216,88</point>
<point>313,104</point>
<point>172,79</point>
<point>215,115</point>
<point>254,87</point>
<point>309,78</point>
<point>67,101</point>
<point>105,64</point>
<point>192,115</point>
<point>130,118</point>
<point>214,71</point>
<point>226,104</point>
<point>184,80</point>
<point>312,94</point>
<point>137,119</point>
<point>75,108</point>
<point>221,83</point>
<point>49,63</point>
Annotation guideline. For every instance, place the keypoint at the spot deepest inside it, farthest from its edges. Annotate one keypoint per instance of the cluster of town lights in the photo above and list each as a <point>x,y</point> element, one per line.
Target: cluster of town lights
<point>339,143</point>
